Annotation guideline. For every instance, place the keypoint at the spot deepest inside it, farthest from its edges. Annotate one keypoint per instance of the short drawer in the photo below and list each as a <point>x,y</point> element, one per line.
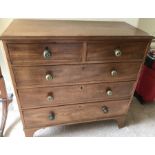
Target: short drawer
<point>54,96</point>
<point>45,53</point>
<point>72,74</point>
<point>116,50</point>
<point>74,113</point>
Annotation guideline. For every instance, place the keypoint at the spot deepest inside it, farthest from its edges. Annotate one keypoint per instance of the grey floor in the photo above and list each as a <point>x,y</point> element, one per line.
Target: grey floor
<point>140,122</point>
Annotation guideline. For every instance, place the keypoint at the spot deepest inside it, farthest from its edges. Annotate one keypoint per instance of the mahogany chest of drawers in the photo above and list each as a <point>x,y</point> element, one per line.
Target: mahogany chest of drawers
<point>67,72</point>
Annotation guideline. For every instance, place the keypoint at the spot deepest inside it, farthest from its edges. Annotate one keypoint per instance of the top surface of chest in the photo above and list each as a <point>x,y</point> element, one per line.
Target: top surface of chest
<point>26,29</point>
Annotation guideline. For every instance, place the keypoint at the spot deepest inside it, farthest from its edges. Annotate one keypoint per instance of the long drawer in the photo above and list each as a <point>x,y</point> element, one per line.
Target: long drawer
<point>45,52</point>
<point>116,50</point>
<point>74,113</point>
<point>54,96</point>
<point>72,74</point>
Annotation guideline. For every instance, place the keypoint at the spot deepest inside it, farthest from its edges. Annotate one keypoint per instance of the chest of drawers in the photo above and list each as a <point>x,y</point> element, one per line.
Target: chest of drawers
<point>67,72</point>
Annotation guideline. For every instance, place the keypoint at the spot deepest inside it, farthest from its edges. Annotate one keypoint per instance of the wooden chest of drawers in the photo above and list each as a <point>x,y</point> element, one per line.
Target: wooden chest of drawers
<point>67,72</point>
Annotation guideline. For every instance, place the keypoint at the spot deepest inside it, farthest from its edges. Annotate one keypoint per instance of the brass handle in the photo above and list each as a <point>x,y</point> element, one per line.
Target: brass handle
<point>105,109</point>
<point>109,92</point>
<point>47,53</point>
<point>113,73</point>
<point>50,98</point>
<point>51,116</point>
<point>118,52</point>
<point>49,77</point>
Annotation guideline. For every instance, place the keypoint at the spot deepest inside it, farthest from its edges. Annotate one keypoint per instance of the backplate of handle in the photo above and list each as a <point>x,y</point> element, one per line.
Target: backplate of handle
<point>114,72</point>
<point>49,77</point>
<point>105,109</point>
<point>118,52</point>
<point>47,53</point>
<point>51,116</point>
<point>50,98</point>
<point>109,92</point>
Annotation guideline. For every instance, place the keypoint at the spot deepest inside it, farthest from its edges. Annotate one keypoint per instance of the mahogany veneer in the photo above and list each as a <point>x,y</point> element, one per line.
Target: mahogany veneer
<point>67,72</point>
<point>63,95</point>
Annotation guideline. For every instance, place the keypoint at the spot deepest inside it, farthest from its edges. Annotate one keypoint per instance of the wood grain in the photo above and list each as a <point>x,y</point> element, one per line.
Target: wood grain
<point>101,51</point>
<point>56,28</point>
<point>61,52</point>
<point>74,113</point>
<point>71,74</point>
<point>12,79</point>
<point>74,94</point>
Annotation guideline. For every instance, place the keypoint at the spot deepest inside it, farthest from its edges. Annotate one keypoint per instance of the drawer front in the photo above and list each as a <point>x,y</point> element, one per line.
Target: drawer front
<point>45,53</point>
<point>116,51</point>
<point>71,74</point>
<point>54,96</point>
<point>74,113</point>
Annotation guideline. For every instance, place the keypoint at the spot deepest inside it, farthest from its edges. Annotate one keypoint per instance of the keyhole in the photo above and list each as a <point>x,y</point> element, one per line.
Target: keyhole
<point>81,87</point>
<point>83,68</point>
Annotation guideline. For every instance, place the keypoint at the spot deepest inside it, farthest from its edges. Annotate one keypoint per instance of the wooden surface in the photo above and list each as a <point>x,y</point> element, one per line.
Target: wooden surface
<point>46,28</point>
<point>74,113</point>
<point>74,94</point>
<point>12,79</point>
<point>61,52</point>
<point>103,51</point>
<point>32,53</point>
<point>74,74</point>
<point>121,121</point>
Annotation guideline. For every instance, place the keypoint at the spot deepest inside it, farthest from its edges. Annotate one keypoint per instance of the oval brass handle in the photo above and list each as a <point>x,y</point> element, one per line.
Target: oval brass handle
<point>118,52</point>
<point>49,77</point>
<point>113,73</point>
<point>105,109</point>
<point>109,92</point>
<point>51,116</point>
<point>50,98</point>
<point>47,53</point>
